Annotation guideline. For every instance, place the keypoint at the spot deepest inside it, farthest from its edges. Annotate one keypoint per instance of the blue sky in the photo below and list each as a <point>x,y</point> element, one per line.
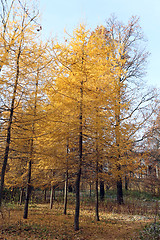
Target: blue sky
<point>57,15</point>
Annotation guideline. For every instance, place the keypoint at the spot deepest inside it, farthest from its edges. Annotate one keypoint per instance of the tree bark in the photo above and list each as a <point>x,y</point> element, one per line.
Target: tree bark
<point>77,208</point>
<point>97,202</point>
<point>117,131</point>
<point>66,182</point>
<point>78,177</point>
<point>51,197</point>
<point>126,183</point>
<point>28,191</point>
<point>66,193</point>
<point>96,195</point>
<point>102,191</point>
<point>9,127</point>
<point>119,191</point>
<point>90,189</point>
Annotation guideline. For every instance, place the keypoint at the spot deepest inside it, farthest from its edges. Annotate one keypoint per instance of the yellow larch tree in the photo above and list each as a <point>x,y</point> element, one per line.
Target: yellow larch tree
<point>80,85</point>
<point>20,31</point>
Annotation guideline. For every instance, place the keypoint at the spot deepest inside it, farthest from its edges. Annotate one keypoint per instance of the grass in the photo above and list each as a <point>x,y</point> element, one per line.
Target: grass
<point>116,222</point>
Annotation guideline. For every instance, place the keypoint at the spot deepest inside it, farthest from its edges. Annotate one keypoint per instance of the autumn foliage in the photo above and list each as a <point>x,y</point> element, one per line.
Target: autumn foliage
<point>72,112</point>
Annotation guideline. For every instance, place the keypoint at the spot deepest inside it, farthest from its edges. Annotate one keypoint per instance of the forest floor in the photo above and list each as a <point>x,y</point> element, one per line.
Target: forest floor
<point>51,224</point>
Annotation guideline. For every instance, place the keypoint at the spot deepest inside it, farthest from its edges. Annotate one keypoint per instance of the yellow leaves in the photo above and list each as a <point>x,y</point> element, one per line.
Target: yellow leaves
<point>83,75</point>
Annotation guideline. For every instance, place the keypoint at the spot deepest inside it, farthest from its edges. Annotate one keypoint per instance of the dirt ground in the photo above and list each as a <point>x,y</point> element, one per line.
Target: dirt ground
<point>43,223</point>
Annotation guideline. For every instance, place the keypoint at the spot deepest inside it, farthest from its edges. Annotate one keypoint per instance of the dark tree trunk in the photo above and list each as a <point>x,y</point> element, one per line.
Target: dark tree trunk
<point>97,202</point>
<point>96,195</point>
<point>9,129</point>
<point>126,183</point>
<point>102,191</point>
<point>51,197</point>
<point>78,177</point>
<point>77,208</point>
<point>66,181</point>
<point>118,141</point>
<point>28,191</point>
<point>119,191</point>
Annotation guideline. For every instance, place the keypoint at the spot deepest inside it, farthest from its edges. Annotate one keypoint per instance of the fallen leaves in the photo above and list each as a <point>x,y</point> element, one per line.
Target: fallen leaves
<point>44,223</point>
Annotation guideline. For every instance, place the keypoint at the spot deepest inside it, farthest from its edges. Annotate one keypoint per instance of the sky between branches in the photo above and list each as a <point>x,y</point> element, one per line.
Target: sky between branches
<point>57,15</point>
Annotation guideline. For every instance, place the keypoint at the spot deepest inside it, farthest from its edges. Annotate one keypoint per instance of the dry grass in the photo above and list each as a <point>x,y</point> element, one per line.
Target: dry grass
<point>43,223</point>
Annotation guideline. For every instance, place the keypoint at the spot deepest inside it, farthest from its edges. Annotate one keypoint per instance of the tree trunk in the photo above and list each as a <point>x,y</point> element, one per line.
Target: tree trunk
<point>97,202</point>
<point>51,197</point>
<point>126,183</point>
<point>119,191</point>
<point>118,134</point>
<point>66,193</point>
<point>102,192</point>
<point>66,181</point>
<point>9,128</point>
<point>96,195</point>
<point>28,191</point>
<point>78,177</point>
<point>77,208</point>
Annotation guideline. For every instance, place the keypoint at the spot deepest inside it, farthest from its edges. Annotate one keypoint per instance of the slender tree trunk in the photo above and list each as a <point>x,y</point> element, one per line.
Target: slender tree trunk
<point>97,169</point>
<point>9,127</point>
<point>126,183</point>
<point>117,131</point>
<point>78,177</point>
<point>96,195</point>
<point>51,197</point>
<point>97,202</point>
<point>90,189</point>
<point>102,191</point>
<point>77,208</point>
<point>66,193</point>
<point>119,191</point>
<point>28,191</point>
<point>66,182</point>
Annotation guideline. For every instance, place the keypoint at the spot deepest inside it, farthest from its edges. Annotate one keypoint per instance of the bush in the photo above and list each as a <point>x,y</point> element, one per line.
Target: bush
<point>150,232</point>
